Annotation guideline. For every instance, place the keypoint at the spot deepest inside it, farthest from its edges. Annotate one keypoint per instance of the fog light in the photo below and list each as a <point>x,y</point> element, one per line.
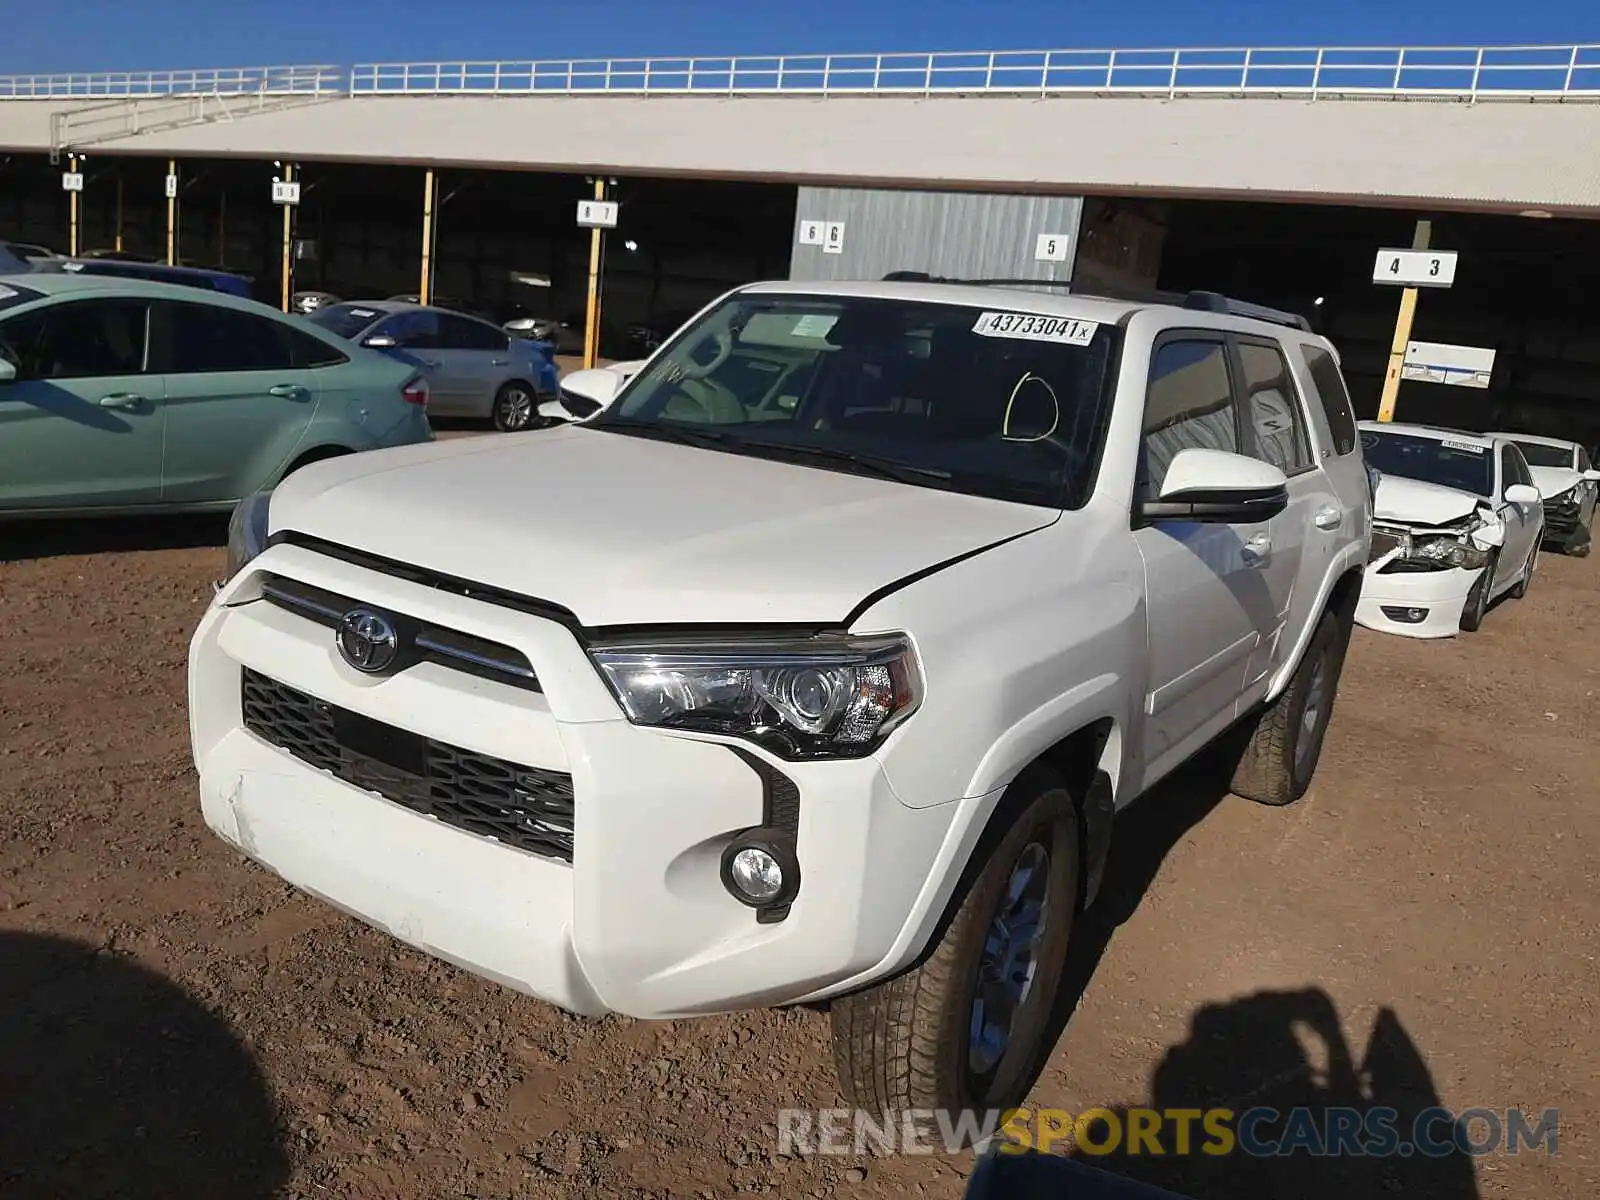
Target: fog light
<point>1408,616</point>
<point>756,875</point>
<point>759,868</point>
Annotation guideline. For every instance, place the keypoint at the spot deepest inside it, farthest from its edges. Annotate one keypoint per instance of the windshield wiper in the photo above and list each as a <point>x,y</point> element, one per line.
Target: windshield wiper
<point>667,431</point>
<point>886,468</point>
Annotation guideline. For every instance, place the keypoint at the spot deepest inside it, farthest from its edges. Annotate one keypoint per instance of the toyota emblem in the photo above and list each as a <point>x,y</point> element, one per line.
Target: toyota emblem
<point>367,640</point>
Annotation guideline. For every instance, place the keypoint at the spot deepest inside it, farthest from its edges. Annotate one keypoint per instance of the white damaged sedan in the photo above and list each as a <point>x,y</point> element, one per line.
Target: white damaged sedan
<point>1456,523</point>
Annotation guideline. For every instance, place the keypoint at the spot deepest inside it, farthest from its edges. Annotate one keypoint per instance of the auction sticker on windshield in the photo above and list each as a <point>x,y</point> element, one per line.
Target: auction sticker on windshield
<point>1465,447</point>
<point>1035,328</point>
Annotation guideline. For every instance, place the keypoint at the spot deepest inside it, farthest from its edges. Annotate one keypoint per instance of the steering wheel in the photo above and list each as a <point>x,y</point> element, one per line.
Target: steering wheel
<point>724,343</point>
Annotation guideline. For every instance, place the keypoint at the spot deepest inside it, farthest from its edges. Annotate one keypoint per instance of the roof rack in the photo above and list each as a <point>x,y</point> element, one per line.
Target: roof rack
<point>1197,300</point>
<point>1218,303</point>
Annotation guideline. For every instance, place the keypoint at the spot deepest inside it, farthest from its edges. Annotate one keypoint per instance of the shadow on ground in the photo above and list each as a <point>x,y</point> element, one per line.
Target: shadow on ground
<point>115,1083</point>
<point>21,540</point>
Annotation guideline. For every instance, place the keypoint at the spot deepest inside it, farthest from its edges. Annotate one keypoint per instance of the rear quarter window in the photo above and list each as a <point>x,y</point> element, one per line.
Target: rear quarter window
<point>1334,397</point>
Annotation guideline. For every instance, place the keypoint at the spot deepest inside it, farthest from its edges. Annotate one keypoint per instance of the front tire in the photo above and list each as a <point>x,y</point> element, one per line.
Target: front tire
<point>1477,605</point>
<point>516,406</point>
<point>1286,742</point>
<point>966,1028</point>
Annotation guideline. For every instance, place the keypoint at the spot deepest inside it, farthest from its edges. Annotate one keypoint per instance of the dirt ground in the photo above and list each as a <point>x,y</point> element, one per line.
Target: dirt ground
<point>174,1022</point>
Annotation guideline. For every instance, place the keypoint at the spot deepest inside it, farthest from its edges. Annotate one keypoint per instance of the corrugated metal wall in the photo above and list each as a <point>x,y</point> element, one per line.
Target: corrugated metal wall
<point>960,235</point>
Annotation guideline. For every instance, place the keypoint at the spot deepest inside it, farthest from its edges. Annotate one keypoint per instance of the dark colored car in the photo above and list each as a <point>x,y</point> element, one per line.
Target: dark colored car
<point>199,277</point>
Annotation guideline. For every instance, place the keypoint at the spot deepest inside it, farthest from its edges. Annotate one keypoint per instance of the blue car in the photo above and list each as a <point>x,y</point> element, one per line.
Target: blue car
<point>475,369</point>
<point>200,277</point>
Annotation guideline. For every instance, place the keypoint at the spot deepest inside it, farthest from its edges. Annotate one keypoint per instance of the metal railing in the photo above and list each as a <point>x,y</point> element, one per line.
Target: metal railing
<point>1429,72</point>
<point>1500,72</point>
<point>227,81</point>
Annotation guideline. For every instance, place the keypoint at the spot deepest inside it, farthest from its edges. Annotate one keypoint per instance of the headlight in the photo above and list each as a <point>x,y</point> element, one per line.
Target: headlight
<point>835,696</point>
<point>1450,552</point>
<point>247,531</point>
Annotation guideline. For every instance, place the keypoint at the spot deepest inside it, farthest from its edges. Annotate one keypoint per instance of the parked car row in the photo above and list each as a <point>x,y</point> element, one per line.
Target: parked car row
<point>1459,519</point>
<point>123,395</point>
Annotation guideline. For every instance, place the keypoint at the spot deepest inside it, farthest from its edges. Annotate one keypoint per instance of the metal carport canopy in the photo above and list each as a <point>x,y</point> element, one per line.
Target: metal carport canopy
<point>1463,148</point>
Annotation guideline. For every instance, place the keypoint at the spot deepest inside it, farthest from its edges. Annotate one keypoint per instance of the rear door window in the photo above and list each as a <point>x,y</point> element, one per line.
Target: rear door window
<point>1272,408</point>
<point>415,330</point>
<point>202,338</point>
<point>463,333</point>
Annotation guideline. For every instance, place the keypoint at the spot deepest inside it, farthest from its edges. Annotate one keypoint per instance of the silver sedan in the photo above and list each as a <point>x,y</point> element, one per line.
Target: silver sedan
<point>474,369</point>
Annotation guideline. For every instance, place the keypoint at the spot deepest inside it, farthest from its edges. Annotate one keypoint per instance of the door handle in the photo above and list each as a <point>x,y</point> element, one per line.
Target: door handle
<point>1328,517</point>
<point>291,391</point>
<point>429,362</point>
<point>499,362</point>
<point>1256,550</point>
<point>121,400</point>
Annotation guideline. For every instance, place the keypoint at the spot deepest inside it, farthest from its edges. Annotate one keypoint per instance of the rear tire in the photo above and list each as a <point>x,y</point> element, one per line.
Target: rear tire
<point>939,1036</point>
<point>516,407</point>
<point>1285,740</point>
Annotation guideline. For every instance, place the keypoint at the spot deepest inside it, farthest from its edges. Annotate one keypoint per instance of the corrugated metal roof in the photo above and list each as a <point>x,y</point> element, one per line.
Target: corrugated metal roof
<point>1501,156</point>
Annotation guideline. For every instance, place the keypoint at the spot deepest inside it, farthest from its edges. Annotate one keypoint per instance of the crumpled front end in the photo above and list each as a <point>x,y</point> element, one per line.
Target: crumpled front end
<point>1419,577</point>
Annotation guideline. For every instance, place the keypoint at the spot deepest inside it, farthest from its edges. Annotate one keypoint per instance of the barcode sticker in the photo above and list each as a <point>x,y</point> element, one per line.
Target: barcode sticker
<point>1068,331</point>
<point>1468,447</point>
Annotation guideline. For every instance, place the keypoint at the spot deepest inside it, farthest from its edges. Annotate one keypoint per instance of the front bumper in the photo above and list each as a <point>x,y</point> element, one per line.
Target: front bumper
<point>638,922</point>
<point>1439,596</point>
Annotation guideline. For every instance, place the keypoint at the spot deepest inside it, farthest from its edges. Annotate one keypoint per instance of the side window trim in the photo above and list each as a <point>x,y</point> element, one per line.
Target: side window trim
<point>1297,404</point>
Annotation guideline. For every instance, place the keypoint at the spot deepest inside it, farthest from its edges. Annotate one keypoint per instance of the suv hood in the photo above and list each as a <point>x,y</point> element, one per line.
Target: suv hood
<point>1552,481</point>
<point>1412,502</point>
<point>625,530</point>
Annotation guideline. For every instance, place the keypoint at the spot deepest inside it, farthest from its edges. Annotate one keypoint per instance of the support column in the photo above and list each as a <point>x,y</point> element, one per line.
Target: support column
<point>172,217</point>
<point>119,211</point>
<point>288,241</point>
<point>429,197</point>
<point>1402,331</point>
<point>72,210</point>
<point>591,325</point>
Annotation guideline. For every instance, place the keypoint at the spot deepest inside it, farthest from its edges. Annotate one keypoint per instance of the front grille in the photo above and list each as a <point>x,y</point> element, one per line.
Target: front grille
<point>526,807</point>
<point>423,641</point>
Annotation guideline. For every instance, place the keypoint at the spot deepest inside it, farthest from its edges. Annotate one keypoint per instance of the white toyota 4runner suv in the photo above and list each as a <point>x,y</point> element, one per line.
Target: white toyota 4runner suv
<point>813,667</point>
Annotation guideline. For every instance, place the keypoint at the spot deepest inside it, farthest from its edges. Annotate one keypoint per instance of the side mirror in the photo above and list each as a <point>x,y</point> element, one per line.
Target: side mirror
<point>1523,493</point>
<point>553,412</point>
<point>381,341</point>
<point>1218,488</point>
<point>597,384</point>
<point>1592,475</point>
<point>8,370</point>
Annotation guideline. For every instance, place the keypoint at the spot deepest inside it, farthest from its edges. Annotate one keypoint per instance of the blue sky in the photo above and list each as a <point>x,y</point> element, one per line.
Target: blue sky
<point>92,35</point>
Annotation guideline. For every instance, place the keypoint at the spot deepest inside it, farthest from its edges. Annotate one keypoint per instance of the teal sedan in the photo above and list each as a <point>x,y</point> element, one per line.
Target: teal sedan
<point>125,396</point>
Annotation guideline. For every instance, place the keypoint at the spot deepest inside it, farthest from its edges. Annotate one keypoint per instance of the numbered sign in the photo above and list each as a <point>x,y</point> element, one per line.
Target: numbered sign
<point>813,233</point>
<point>172,187</point>
<point>284,192</point>
<point>597,214</point>
<point>833,238</point>
<point>1415,268</point>
<point>72,181</point>
<point>1051,247</point>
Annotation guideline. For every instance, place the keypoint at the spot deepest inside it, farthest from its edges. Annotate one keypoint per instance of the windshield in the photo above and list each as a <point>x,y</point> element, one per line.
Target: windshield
<point>992,403</point>
<point>1540,455</point>
<point>345,320</point>
<point>1462,465</point>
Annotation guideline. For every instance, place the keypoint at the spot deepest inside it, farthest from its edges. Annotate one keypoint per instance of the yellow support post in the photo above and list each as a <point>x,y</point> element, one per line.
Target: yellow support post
<point>172,218</point>
<point>1402,332</point>
<point>424,294</point>
<point>288,242</point>
<point>591,325</point>
<point>119,212</point>
<point>72,210</point>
